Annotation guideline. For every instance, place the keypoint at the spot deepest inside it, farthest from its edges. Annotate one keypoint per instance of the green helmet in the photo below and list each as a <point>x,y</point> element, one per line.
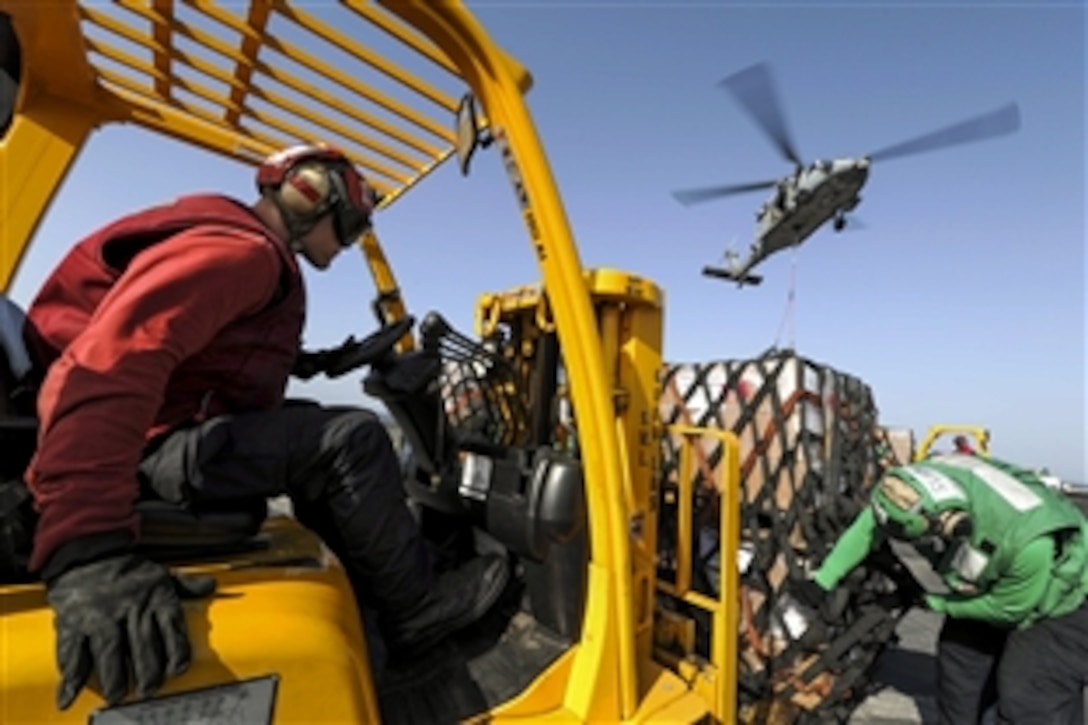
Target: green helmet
<point>911,501</point>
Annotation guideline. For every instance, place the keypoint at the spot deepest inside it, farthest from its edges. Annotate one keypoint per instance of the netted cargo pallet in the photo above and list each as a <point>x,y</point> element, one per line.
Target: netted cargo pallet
<point>808,450</point>
<point>896,445</point>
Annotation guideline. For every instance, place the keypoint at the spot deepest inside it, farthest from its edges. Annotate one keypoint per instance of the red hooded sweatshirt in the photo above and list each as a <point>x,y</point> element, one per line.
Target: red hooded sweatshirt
<point>163,318</point>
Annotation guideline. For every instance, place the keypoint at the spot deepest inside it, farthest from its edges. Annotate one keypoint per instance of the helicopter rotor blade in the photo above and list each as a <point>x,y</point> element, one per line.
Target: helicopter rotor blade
<point>1003,121</point>
<point>692,196</point>
<point>754,89</point>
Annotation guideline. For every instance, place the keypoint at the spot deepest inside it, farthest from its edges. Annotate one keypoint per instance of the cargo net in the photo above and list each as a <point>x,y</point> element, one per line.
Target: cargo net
<point>895,446</point>
<point>808,455</point>
<point>479,388</point>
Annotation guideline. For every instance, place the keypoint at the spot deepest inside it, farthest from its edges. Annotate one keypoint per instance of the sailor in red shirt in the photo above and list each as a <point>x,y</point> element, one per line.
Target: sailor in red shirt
<point>963,446</point>
<point>168,338</point>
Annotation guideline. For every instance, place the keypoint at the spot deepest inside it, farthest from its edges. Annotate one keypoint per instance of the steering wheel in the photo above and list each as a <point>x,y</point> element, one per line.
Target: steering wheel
<point>371,348</point>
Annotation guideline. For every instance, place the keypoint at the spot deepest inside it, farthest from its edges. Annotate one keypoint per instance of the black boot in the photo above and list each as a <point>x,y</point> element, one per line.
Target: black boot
<point>459,598</point>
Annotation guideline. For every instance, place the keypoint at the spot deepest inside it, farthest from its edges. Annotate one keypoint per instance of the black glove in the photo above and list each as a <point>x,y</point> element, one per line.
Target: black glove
<point>121,615</point>
<point>308,364</point>
<point>332,361</point>
<point>828,605</point>
<point>811,594</point>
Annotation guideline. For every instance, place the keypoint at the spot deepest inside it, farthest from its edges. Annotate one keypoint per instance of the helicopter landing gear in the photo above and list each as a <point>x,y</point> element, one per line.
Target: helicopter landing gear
<point>840,221</point>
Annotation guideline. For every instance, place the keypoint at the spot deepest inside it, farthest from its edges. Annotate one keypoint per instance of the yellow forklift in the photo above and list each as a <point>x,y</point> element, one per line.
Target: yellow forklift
<point>536,434</point>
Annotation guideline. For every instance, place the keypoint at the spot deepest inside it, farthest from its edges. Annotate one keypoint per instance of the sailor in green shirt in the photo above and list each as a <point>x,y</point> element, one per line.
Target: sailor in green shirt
<point>1013,557</point>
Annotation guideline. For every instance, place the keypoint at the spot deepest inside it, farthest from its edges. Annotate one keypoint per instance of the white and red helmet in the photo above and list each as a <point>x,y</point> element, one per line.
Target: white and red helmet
<point>309,181</point>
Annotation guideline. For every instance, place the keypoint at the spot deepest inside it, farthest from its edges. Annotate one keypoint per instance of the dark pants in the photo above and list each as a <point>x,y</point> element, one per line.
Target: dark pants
<point>1034,675</point>
<point>338,467</point>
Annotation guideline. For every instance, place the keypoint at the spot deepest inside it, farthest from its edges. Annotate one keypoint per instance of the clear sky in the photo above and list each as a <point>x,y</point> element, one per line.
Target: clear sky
<point>962,301</point>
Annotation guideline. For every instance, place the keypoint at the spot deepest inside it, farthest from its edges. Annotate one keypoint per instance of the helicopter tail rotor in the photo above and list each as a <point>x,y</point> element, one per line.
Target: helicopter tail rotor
<point>1000,122</point>
<point>731,257</point>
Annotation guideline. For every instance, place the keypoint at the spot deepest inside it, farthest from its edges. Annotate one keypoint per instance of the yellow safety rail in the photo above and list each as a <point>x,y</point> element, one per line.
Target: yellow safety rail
<point>979,433</point>
<point>238,79</point>
<point>716,682</point>
<point>267,88</point>
<point>389,305</point>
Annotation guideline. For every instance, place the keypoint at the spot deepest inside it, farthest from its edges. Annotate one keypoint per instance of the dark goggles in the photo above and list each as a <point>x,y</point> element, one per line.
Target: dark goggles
<point>349,221</point>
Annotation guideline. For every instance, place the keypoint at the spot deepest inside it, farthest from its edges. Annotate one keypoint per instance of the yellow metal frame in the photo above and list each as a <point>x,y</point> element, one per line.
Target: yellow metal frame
<point>389,305</point>
<point>94,63</point>
<point>604,681</point>
<point>173,72</point>
<point>628,317</point>
<point>716,680</point>
<point>979,433</point>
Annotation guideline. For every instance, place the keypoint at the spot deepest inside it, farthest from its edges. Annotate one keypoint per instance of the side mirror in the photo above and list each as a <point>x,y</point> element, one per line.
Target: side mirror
<point>467,131</point>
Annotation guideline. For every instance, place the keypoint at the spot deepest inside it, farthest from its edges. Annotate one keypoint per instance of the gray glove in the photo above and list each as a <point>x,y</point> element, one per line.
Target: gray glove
<point>122,617</point>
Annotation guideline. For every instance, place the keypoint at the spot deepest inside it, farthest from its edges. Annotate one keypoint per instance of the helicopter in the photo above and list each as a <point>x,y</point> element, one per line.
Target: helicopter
<point>822,190</point>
